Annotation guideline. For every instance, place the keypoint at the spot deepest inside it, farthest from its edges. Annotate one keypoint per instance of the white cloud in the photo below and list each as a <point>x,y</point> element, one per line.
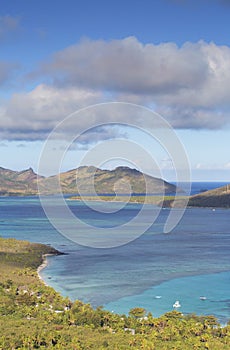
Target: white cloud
<point>190,82</point>
<point>190,117</point>
<point>187,85</point>
<point>129,66</point>
<point>195,74</point>
<point>31,116</point>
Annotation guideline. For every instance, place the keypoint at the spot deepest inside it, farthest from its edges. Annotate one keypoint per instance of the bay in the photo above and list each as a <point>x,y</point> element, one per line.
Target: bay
<point>193,260</point>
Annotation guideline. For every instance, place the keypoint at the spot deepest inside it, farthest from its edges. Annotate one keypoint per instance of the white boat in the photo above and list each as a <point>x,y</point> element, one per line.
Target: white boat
<point>203,298</point>
<point>158,296</point>
<point>177,304</point>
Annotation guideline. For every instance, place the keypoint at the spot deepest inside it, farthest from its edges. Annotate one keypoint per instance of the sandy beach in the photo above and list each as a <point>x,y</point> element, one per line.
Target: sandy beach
<point>43,266</point>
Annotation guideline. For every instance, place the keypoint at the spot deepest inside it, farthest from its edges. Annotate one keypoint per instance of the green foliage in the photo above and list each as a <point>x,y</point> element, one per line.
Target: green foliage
<point>137,312</point>
<point>34,316</point>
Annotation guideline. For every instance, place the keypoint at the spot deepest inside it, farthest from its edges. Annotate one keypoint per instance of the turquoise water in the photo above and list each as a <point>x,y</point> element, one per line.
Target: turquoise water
<point>187,290</point>
<point>190,262</point>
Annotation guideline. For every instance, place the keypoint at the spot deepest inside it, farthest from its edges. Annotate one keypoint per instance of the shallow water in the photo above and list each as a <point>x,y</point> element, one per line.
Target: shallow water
<point>189,291</point>
<point>183,265</point>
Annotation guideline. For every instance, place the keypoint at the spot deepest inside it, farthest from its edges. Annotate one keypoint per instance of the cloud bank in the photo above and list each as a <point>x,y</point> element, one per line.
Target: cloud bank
<point>187,85</point>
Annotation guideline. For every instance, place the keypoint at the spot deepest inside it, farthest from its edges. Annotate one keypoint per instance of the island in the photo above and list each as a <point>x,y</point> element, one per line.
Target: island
<point>83,180</point>
<point>216,198</point>
<point>121,184</point>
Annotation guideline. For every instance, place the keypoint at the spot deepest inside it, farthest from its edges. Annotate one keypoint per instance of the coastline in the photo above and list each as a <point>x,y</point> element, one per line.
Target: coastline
<point>43,265</point>
<point>151,199</point>
<point>167,202</point>
<point>67,322</point>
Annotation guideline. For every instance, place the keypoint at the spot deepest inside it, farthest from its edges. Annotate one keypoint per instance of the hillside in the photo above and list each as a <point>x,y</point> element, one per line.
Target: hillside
<point>122,180</point>
<point>84,180</point>
<point>34,316</point>
<point>18,182</point>
<point>219,197</point>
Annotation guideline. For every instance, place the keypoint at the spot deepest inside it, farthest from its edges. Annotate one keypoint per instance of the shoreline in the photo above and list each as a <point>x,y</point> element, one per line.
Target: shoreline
<point>43,265</point>
<point>149,201</point>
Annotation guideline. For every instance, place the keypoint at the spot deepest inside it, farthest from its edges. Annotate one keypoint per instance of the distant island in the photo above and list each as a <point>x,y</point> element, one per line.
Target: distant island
<point>109,185</point>
<point>82,180</point>
<point>217,198</point>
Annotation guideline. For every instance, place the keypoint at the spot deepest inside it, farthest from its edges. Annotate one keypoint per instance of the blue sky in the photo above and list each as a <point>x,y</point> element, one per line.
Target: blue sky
<point>170,55</point>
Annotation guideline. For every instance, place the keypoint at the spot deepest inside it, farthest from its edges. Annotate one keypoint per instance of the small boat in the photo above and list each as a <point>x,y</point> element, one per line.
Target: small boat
<point>203,298</point>
<point>157,296</point>
<point>177,304</point>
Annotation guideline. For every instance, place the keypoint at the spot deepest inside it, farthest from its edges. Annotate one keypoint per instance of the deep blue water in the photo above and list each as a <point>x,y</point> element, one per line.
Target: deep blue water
<point>191,261</point>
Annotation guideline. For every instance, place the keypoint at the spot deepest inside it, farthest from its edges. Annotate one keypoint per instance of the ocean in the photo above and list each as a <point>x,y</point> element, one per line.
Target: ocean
<point>152,271</point>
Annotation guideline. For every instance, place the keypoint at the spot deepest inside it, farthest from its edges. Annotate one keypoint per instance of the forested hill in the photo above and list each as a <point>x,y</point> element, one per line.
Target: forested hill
<point>84,179</point>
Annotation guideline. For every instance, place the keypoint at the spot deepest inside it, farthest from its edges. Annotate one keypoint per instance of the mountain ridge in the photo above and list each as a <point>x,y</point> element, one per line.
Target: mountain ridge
<point>84,179</point>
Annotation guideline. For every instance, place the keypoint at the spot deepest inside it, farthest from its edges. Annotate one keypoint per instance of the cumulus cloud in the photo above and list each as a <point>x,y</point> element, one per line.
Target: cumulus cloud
<point>129,66</point>
<point>187,117</point>
<point>187,85</point>
<point>199,71</point>
<point>191,81</point>
<point>33,115</point>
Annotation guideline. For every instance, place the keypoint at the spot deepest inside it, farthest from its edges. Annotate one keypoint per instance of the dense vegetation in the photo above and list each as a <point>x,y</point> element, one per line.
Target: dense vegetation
<point>34,316</point>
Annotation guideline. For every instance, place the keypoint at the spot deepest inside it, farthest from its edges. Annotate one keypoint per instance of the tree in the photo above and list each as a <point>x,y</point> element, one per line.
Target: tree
<point>137,312</point>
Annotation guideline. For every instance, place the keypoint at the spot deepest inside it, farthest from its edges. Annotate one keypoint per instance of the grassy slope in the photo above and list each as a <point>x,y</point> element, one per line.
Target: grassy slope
<point>25,183</point>
<point>34,316</point>
<point>133,199</point>
<point>18,182</point>
<point>84,179</point>
<point>219,197</point>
